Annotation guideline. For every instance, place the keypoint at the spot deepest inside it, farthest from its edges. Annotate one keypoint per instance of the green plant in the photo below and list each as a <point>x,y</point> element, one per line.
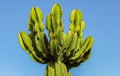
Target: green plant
<point>62,51</point>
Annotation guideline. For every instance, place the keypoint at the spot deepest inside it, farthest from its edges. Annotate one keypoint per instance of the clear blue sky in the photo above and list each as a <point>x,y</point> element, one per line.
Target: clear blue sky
<point>102,19</point>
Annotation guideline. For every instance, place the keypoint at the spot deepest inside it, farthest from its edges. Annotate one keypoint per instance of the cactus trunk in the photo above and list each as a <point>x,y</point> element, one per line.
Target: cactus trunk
<point>56,69</point>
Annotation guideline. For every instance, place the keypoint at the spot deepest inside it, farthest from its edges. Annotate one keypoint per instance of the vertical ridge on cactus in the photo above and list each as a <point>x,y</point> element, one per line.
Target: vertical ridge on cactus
<point>63,51</point>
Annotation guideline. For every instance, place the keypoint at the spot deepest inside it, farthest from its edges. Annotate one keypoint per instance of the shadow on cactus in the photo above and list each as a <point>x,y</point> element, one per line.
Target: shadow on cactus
<point>62,51</point>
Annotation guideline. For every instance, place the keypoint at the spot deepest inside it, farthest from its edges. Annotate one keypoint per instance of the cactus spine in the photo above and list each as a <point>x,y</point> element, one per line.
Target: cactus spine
<point>62,51</point>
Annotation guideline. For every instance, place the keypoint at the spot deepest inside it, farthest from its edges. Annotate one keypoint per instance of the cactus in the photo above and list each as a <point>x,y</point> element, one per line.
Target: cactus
<point>62,51</point>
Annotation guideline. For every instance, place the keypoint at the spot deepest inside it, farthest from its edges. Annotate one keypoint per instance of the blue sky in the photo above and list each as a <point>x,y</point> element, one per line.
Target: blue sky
<point>102,18</point>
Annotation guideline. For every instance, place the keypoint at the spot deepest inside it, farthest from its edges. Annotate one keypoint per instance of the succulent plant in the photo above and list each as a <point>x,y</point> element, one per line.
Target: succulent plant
<point>62,51</point>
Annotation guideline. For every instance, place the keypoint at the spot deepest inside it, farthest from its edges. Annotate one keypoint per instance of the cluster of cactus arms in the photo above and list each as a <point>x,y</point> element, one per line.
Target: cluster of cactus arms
<point>62,51</point>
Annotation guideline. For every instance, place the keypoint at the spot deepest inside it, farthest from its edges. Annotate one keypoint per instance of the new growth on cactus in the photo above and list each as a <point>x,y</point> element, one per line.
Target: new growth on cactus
<point>62,51</point>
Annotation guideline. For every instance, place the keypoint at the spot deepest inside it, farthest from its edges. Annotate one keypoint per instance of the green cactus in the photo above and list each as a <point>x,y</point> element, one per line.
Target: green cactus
<point>62,51</point>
